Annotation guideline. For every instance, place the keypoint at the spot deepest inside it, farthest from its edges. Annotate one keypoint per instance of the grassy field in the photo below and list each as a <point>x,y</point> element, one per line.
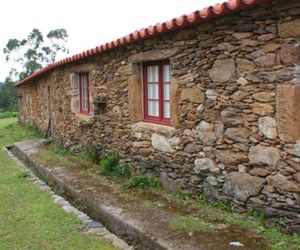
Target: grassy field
<point>28,217</point>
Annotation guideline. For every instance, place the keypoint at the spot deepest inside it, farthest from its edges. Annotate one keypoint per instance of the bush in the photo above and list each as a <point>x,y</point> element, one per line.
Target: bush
<point>142,181</point>
<point>92,153</point>
<point>8,114</point>
<point>112,166</point>
<point>34,130</point>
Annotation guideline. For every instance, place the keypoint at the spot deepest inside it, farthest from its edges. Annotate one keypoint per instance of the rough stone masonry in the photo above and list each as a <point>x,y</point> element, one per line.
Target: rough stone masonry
<point>235,108</point>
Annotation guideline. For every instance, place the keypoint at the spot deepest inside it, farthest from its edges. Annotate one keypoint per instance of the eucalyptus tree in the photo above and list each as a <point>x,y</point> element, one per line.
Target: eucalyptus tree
<point>27,55</point>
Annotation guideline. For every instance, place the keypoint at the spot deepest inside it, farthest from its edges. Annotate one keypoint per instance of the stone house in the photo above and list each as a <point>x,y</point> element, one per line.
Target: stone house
<point>209,102</point>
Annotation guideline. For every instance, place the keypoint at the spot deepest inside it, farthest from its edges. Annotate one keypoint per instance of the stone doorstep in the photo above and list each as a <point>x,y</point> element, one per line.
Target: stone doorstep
<point>92,227</point>
<point>150,232</point>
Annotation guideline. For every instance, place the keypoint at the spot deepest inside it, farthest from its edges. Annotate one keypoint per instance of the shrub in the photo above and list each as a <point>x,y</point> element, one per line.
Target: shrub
<point>8,114</point>
<point>63,152</point>
<point>142,181</point>
<point>34,130</point>
<point>112,166</point>
<point>185,197</point>
<point>91,153</point>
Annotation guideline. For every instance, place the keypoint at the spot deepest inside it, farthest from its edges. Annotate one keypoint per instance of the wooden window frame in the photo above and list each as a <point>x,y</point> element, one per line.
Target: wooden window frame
<point>154,119</point>
<point>82,111</point>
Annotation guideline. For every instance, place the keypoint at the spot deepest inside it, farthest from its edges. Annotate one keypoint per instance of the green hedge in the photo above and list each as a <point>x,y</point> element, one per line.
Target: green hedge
<point>8,114</point>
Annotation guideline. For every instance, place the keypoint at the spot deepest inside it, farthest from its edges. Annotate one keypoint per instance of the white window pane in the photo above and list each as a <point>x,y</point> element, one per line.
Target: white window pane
<point>152,73</point>
<point>150,91</point>
<point>150,108</point>
<point>155,90</point>
<point>167,111</point>
<point>155,108</point>
<point>148,71</point>
<point>166,91</point>
<point>155,73</point>
<point>166,73</point>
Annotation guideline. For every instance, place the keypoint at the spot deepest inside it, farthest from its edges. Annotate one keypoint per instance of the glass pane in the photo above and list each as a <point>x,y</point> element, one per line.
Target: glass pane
<point>155,108</point>
<point>166,73</point>
<point>86,104</point>
<point>152,91</point>
<point>167,111</point>
<point>167,91</point>
<point>150,108</point>
<point>152,73</point>
<point>155,91</point>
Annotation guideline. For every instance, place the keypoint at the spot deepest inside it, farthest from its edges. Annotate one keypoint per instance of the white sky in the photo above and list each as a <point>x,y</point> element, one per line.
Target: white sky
<point>89,22</point>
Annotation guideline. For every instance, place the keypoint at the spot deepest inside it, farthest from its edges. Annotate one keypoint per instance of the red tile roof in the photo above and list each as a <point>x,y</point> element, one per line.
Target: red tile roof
<point>196,17</point>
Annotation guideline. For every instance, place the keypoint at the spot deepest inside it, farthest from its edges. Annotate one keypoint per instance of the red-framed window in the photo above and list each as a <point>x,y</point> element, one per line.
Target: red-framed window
<point>84,93</point>
<point>157,90</point>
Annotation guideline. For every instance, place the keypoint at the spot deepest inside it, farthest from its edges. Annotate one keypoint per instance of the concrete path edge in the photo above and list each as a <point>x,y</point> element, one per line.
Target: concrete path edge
<point>127,232</point>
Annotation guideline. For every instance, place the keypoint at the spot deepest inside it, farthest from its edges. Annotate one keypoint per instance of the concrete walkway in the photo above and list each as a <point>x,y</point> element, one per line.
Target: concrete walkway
<point>128,215</point>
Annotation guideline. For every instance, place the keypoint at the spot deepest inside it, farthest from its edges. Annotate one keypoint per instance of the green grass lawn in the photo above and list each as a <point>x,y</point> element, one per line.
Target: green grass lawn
<point>28,217</point>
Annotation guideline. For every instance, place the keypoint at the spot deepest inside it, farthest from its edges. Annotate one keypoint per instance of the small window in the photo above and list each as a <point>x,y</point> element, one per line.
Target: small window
<point>157,92</point>
<point>84,95</point>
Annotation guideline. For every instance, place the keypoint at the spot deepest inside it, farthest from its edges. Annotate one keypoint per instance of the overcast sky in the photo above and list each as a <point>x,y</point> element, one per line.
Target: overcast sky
<point>89,22</point>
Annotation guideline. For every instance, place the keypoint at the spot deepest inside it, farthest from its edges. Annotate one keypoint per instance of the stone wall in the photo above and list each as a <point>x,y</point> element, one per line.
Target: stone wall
<point>235,99</point>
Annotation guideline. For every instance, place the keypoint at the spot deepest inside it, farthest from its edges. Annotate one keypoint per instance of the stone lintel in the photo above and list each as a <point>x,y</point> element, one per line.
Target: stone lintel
<point>85,67</point>
<point>152,55</point>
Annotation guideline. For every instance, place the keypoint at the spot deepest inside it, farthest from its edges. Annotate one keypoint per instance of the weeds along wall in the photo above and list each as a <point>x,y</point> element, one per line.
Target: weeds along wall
<point>234,108</point>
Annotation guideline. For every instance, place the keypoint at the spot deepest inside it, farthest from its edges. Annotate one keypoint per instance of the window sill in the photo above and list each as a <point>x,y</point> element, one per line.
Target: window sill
<point>84,117</point>
<point>155,128</point>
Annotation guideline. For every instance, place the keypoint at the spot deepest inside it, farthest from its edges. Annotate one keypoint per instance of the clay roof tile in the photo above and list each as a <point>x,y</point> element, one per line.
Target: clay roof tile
<point>196,17</point>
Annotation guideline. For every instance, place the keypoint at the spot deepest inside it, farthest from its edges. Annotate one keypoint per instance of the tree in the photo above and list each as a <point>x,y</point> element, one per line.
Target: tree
<point>31,54</point>
<point>27,56</point>
<point>8,96</point>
